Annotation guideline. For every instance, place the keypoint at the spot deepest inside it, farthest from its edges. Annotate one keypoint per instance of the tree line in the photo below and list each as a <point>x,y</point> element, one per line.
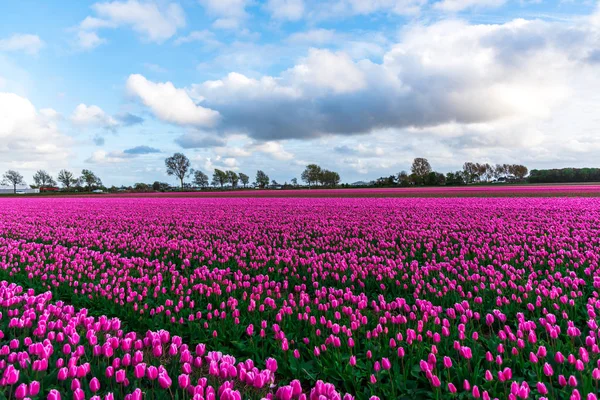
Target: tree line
<point>564,175</point>
<point>179,166</point>
<point>43,180</point>
<point>422,174</point>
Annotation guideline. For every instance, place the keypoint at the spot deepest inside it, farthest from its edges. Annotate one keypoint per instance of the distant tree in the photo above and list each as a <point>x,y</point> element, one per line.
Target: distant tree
<point>564,175</point>
<point>244,179</point>
<point>13,178</point>
<point>435,179</point>
<point>455,178</point>
<point>520,171</point>
<point>330,178</point>
<point>90,179</point>
<point>66,178</point>
<point>232,178</point>
<point>274,183</point>
<point>403,179</point>
<point>200,179</point>
<point>420,169</point>
<point>482,171</point>
<point>295,181</point>
<point>141,187</point>
<point>470,172</point>
<point>219,178</point>
<point>160,186</point>
<point>312,174</point>
<point>43,179</point>
<point>178,165</point>
<point>499,171</point>
<point>262,179</point>
<point>78,184</point>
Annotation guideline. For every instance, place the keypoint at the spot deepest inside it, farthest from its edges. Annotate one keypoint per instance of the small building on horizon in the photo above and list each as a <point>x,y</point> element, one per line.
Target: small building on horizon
<point>21,189</point>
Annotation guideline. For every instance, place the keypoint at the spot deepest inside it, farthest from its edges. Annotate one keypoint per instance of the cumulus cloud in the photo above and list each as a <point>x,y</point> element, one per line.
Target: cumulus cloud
<point>88,40</point>
<point>93,116</point>
<point>346,8</point>
<point>460,5</point>
<point>117,156</point>
<point>128,119</point>
<point>153,21</point>
<point>29,138</point>
<point>206,37</point>
<point>138,150</point>
<point>219,162</point>
<point>30,44</point>
<point>229,14</point>
<point>274,149</point>
<point>319,36</point>
<point>447,72</point>
<point>286,9</point>
<point>360,150</point>
<point>169,103</point>
<point>198,140</point>
<point>103,157</point>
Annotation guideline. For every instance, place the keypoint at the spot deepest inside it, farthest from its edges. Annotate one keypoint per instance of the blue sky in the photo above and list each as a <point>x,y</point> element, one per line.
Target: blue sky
<point>358,86</point>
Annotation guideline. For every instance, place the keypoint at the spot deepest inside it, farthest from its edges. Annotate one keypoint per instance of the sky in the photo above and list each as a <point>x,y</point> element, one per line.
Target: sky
<point>357,86</point>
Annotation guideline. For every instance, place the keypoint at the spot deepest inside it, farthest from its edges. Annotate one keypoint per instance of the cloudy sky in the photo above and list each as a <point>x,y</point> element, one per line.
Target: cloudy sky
<point>358,86</point>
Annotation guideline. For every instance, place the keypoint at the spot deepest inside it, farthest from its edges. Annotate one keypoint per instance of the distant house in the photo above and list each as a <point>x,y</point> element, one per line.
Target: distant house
<point>49,189</point>
<point>21,189</point>
<point>360,183</point>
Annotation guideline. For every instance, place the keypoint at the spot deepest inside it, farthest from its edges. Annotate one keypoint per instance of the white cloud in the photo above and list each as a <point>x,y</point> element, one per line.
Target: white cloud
<point>92,116</point>
<point>233,152</point>
<point>29,139</point>
<point>328,70</point>
<point>206,37</point>
<point>447,72</point>
<point>361,150</point>
<point>169,103</point>
<point>274,149</point>
<point>30,44</point>
<point>460,5</point>
<point>222,163</point>
<point>155,68</point>
<point>291,10</point>
<point>318,36</point>
<point>229,13</point>
<point>154,21</point>
<point>344,8</point>
<point>88,40</point>
<point>103,157</point>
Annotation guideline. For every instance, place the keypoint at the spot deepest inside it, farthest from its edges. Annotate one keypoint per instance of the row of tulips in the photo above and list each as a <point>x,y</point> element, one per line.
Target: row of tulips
<point>56,351</point>
<point>484,298</point>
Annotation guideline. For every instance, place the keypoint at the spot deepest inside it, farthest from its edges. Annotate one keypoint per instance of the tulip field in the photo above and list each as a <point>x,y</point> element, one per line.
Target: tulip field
<point>299,298</point>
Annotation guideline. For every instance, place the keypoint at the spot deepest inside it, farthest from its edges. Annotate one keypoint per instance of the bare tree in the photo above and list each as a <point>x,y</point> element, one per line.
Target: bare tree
<point>13,178</point>
<point>178,165</point>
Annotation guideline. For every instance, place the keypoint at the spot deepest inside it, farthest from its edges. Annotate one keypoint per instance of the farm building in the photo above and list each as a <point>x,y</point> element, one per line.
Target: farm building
<point>21,189</point>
